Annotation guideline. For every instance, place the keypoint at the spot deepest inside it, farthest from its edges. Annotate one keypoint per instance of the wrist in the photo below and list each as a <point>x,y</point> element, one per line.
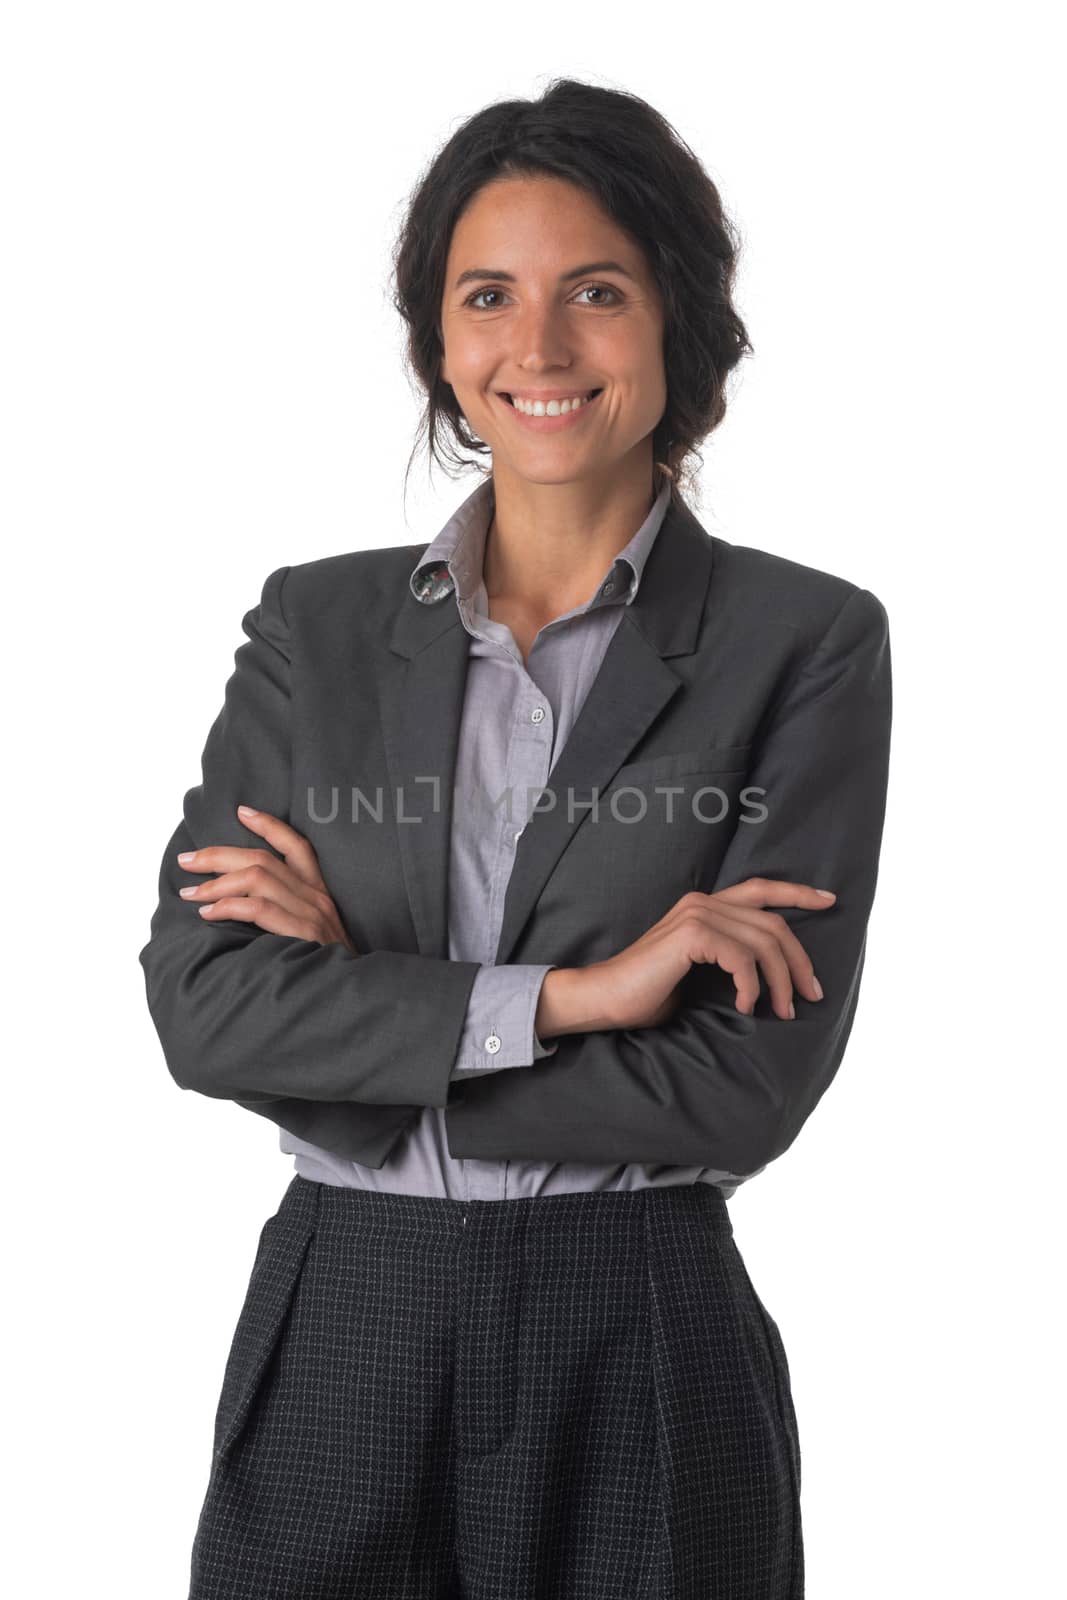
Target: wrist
<point>571,1001</point>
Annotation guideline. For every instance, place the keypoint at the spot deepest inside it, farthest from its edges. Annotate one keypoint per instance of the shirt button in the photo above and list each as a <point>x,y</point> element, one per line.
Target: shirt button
<point>538,714</point>
<point>492,1044</point>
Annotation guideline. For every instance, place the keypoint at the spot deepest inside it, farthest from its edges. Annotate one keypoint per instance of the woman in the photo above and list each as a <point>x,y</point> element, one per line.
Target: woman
<point>498,1339</point>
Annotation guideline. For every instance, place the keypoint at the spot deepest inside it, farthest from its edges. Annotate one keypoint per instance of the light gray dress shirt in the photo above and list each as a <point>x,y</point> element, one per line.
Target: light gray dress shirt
<point>516,719</point>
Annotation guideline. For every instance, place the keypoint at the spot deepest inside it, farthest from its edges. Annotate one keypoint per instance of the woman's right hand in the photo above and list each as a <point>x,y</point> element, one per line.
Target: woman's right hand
<point>638,987</point>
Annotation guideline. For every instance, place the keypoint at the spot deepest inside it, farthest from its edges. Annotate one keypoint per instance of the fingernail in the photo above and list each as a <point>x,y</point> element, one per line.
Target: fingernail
<point>792,1011</point>
<point>247,811</point>
<point>205,910</point>
<point>817,986</point>
<point>829,893</point>
<point>189,890</point>
<point>186,855</point>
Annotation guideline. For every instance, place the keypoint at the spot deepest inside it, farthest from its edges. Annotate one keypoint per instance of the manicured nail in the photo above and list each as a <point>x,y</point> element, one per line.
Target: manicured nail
<point>817,986</point>
<point>206,910</point>
<point>247,811</point>
<point>189,890</point>
<point>186,856</point>
<point>829,893</point>
<point>792,1011</point>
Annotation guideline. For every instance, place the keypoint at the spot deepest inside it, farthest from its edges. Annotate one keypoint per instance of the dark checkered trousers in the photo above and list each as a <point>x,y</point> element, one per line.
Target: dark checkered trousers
<point>577,1395</point>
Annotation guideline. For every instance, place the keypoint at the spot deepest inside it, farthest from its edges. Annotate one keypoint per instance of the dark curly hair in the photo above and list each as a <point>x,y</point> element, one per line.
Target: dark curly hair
<point>643,174</point>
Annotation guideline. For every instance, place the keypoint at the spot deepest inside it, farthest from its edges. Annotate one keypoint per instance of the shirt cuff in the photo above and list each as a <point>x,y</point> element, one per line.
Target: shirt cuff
<point>499,1030</point>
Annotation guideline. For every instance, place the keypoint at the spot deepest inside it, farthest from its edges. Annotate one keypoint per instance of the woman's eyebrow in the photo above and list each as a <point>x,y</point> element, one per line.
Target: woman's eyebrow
<point>476,273</point>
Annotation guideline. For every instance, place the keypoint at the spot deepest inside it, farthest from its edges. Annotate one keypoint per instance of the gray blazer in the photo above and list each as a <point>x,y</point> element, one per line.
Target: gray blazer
<point>739,726</point>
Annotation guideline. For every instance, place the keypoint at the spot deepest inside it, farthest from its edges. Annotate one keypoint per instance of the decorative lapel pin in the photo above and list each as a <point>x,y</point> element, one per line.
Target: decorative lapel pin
<point>434,583</point>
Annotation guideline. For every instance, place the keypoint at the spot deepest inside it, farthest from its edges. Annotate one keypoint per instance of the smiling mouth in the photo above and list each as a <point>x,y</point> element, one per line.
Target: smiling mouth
<point>589,395</point>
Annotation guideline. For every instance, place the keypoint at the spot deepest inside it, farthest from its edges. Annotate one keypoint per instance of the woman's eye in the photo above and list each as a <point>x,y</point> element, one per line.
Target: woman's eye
<point>597,288</point>
<point>590,288</point>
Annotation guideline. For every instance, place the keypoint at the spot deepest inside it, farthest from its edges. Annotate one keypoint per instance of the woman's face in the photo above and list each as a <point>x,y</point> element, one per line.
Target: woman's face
<point>523,312</point>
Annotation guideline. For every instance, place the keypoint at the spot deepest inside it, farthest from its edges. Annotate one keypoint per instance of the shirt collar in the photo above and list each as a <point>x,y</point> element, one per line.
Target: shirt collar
<point>453,562</point>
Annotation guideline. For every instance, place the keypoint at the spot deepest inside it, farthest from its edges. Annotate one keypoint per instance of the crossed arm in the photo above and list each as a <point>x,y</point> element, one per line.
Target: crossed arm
<point>259,1010</point>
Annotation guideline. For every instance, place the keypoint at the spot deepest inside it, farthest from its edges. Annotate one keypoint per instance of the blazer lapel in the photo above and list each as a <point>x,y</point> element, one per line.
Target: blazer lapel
<point>422,710</point>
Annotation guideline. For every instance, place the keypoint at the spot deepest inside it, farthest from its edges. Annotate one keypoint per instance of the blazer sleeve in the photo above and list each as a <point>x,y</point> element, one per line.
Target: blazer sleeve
<point>711,1086</point>
<point>253,1016</point>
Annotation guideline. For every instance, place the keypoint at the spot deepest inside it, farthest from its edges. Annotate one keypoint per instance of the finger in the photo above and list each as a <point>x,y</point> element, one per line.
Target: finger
<point>734,957</point>
<point>705,940</point>
<point>776,892</point>
<point>266,914</point>
<point>262,882</point>
<point>801,971</point>
<point>234,858</point>
<point>775,969</point>
<point>759,944</point>
<point>229,858</point>
<point>296,850</point>
<point>728,940</point>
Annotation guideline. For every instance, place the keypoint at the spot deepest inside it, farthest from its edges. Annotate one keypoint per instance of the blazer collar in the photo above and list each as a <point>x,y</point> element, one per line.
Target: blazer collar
<point>422,706</point>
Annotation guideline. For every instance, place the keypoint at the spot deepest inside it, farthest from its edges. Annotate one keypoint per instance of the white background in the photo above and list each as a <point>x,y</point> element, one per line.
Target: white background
<point>201,381</point>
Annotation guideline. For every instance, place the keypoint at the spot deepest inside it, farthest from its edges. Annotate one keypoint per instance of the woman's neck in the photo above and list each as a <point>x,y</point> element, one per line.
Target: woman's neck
<point>545,552</point>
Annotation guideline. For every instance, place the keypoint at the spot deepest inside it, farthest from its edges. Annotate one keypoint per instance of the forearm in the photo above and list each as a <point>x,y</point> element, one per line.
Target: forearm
<point>570,1003</point>
<point>253,1016</point>
<point>273,1016</point>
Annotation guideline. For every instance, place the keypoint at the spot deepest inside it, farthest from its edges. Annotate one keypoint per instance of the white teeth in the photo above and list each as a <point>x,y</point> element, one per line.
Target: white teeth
<point>554,408</point>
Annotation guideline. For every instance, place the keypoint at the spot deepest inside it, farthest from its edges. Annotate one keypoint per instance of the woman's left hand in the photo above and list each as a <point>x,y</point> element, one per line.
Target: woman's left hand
<point>287,896</point>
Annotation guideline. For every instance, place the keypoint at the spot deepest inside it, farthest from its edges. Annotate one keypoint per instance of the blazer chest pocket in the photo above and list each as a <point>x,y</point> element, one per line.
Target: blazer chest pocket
<point>663,769</point>
<point>661,828</point>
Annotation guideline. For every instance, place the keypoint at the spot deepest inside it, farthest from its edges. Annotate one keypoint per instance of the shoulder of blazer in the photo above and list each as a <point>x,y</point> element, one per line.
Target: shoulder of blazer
<point>369,578</point>
<point>760,589</point>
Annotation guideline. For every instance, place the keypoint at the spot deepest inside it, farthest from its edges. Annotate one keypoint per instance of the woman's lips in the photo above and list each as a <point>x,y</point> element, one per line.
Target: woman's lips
<point>550,424</point>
